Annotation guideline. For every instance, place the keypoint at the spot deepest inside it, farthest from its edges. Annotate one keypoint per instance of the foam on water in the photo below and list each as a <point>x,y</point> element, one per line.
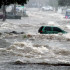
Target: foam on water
<point>27,52</point>
<point>67,36</point>
<point>68,26</point>
<point>8,27</point>
<point>52,23</point>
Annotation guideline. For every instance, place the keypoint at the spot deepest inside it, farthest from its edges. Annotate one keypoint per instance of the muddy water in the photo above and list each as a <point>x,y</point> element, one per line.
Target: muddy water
<point>32,47</point>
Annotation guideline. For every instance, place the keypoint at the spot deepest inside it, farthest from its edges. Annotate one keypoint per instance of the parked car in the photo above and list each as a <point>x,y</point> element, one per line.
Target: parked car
<point>67,15</point>
<point>10,15</point>
<point>47,8</point>
<point>50,30</point>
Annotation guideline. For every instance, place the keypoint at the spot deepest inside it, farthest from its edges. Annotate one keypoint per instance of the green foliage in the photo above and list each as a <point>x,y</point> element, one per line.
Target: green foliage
<point>7,2</point>
<point>64,2</point>
<point>24,36</point>
<point>3,3</point>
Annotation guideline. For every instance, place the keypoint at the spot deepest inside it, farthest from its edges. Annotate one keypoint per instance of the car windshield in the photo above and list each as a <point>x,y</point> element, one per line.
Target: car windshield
<point>40,28</point>
<point>68,13</point>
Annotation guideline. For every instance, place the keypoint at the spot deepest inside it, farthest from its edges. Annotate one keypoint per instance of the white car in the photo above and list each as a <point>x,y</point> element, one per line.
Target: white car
<point>47,8</point>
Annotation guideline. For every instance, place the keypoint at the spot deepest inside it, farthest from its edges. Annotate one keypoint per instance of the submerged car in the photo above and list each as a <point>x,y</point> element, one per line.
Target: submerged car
<point>50,30</point>
<point>67,15</point>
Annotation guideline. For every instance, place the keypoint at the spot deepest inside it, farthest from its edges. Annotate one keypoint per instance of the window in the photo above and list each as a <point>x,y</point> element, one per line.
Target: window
<point>57,29</point>
<point>48,28</point>
<point>68,13</point>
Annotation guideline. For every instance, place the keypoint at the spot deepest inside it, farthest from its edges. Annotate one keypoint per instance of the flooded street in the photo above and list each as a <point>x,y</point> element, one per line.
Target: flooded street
<point>22,47</point>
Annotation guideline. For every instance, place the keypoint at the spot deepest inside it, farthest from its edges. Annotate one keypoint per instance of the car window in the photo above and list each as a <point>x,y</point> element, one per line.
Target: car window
<point>48,28</point>
<point>68,13</point>
<point>57,29</point>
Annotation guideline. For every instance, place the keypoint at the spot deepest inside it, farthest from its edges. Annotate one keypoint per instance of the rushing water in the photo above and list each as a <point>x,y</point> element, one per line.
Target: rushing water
<point>32,47</point>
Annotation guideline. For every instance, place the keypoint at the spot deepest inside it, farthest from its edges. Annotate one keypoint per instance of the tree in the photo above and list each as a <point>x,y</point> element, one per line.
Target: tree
<point>7,2</point>
<point>64,2</point>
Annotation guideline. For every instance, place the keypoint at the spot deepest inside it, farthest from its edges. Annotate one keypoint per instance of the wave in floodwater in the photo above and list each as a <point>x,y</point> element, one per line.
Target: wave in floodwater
<point>28,52</point>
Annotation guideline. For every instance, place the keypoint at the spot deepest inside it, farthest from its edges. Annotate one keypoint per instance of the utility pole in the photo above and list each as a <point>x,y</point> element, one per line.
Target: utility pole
<point>14,12</point>
<point>4,12</point>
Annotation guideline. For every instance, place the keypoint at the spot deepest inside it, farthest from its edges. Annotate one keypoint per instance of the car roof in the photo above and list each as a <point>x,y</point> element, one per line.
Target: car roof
<point>49,26</point>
